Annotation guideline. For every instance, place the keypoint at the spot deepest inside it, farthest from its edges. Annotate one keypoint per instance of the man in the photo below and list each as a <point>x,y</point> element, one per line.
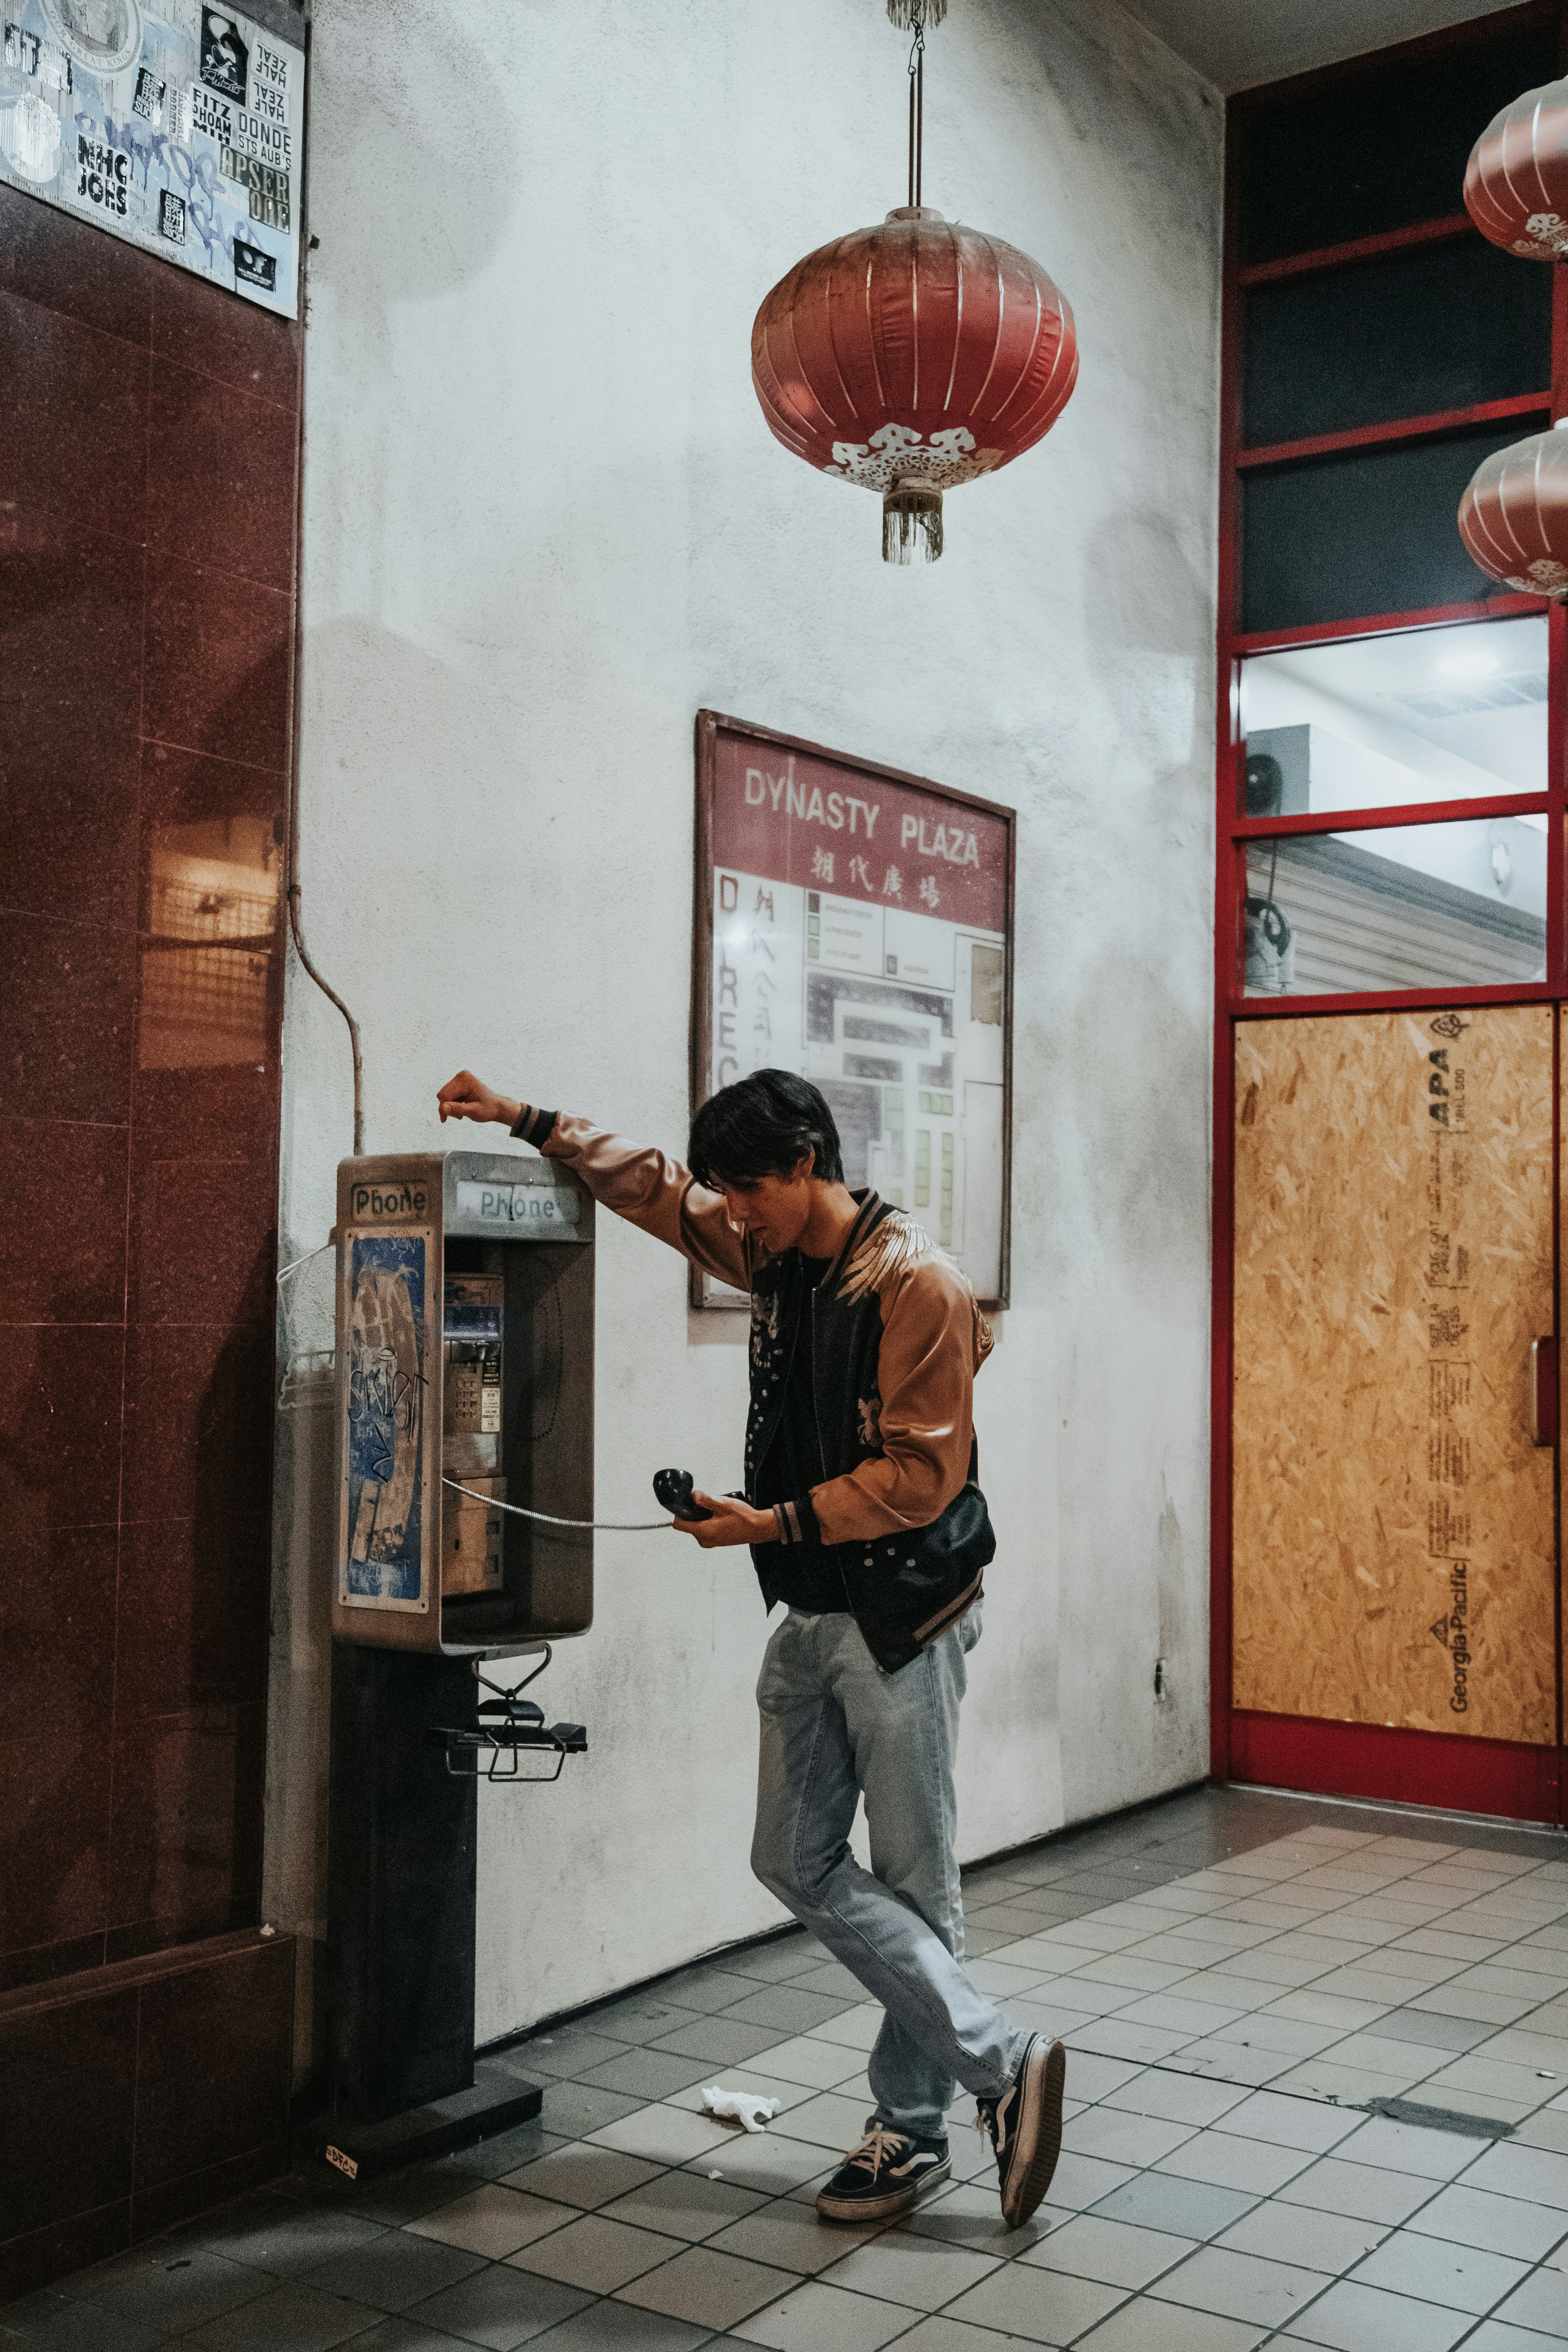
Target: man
<point>863,1518</point>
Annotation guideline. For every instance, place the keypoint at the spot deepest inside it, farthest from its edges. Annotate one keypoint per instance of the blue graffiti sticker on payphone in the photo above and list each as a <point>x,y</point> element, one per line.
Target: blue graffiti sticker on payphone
<point>386,1418</point>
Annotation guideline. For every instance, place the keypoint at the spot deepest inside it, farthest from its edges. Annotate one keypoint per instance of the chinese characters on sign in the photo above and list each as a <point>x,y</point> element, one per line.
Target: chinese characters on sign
<point>173,124</point>
<point>859,935</point>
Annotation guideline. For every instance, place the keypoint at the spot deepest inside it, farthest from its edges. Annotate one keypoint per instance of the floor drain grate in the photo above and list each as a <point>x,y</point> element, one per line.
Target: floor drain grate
<point>1448,2119</point>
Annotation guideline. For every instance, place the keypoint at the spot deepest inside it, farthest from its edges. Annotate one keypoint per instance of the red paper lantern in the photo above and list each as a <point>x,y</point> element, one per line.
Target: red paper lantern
<point>1516,182</point>
<point>911,357</point>
<point>1514,518</point>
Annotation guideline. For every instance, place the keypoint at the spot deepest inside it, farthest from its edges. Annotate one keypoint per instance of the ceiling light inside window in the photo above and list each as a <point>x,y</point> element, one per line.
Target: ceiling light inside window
<point>1469,661</point>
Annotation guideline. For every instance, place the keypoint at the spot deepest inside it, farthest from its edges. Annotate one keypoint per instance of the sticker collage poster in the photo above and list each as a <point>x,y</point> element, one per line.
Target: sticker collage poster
<point>384,1459</point>
<point>860,937</point>
<point>177,126</point>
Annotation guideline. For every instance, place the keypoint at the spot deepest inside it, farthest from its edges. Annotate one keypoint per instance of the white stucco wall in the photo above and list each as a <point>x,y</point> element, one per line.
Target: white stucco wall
<point>544,523</point>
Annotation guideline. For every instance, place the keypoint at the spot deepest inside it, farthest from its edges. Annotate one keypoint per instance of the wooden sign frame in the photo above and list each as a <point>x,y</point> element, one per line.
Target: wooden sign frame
<point>952,848</point>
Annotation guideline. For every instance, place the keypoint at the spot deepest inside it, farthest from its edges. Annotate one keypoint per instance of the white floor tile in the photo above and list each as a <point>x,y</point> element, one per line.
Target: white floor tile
<point>494,2221</point>
<point>1409,2148</point>
<point>788,2233</point>
<point>1242,2287</point>
<point>1302,2234</point>
<point>1532,2173</point>
<point>1227,2162</point>
<point>819,2065</point>
<point>712,2290</point>
<point>939,2335</point>
<point>1082,2180</point>
<point>1460,2215</point>
<point>1361,2191</point>
<point>1091,2078</point>
<point>683,2205</point>
<point>853,2028</point>
<point>1123,2138</point>
<point>970,2215</point>
<point>1542,2303</point>
<point>1146,2326</point>
<point>1288,2123</point>
<point>1041,2307</point>
<point>1493,2335</point>
<point>818,2318</point>
<point>662,2135</point>
<point>596,2253</point>
<point>1114,2252</point>
<point>1463,2277</point>
<point>830,2120</point>
<point>1180,2098</point>
<point>1315,2008</point>
<point>1351,2318</point>
<point>901,2267</point>
<point>1352,2087</point>
<point>763,2160</point>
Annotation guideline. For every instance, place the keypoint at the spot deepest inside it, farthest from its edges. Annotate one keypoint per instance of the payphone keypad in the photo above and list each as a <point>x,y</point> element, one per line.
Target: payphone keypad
<point>472,1343</point>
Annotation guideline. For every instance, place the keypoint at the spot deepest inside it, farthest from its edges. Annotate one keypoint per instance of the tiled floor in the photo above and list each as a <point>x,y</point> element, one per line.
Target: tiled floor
<point>1236,1977</point>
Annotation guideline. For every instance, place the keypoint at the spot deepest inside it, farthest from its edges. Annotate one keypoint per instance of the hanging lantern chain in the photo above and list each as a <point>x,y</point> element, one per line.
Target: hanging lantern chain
<point>917,107</point>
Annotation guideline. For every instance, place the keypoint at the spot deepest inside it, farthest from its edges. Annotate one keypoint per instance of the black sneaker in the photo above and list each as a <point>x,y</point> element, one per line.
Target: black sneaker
<point>889,2172</point>
<point>1023,2125</point>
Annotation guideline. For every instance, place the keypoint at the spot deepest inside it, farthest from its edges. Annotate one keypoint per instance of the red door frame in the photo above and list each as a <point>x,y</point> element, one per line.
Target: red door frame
<point>1343,1759</point>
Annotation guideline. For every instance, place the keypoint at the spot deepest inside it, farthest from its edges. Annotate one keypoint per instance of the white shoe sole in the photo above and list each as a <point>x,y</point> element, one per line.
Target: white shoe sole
<point>1037,2136</point>
<point>902,2199</point>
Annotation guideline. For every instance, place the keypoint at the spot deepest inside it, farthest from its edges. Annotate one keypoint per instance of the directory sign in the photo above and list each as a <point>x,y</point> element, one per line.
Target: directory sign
<point>857,928</point>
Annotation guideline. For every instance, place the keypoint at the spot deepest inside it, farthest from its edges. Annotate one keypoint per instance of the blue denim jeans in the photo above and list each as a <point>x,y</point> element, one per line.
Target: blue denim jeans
<point>835,1728</point>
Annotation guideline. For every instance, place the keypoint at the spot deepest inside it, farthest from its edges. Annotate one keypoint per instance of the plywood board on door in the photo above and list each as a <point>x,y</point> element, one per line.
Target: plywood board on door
<point>1394,1545</point>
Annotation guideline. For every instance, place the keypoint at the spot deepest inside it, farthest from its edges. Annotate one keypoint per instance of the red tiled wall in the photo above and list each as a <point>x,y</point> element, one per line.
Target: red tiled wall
<point>148,531</point>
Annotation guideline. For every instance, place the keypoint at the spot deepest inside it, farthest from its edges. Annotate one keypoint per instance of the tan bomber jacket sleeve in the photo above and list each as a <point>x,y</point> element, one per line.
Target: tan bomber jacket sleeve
<point>934,1340</point>
<point>648,1188</point>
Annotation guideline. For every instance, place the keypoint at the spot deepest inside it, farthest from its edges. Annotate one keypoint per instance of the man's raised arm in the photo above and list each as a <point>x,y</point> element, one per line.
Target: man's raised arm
<point>642,1184</point>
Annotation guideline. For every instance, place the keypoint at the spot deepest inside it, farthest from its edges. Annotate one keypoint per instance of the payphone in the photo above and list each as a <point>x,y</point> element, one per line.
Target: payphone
<point>465,1354</point>
<point>465,1470</point>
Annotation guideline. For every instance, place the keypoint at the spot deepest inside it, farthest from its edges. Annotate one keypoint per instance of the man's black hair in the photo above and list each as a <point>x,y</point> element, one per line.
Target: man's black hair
<point>764,1126</point>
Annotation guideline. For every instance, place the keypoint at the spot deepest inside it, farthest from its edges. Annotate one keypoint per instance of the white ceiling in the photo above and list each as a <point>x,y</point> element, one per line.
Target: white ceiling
<point>1236,42</point>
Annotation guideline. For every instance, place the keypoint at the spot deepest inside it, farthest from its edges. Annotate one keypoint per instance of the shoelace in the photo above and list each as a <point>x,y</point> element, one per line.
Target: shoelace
<point>879,2148</point>
<point>988,2124</point>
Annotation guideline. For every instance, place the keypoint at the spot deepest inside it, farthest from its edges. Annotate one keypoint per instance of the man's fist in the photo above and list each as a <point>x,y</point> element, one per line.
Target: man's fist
<point>731,1520</point>
<point>465,1097</point>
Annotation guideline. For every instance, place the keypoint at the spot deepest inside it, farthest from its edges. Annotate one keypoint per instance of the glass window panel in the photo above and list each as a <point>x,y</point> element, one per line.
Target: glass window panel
<point>1387,722</point>
<point>1441,326</point>
<point>1430,906</point>
<point>1380,150</point>
<point>1369,531</point>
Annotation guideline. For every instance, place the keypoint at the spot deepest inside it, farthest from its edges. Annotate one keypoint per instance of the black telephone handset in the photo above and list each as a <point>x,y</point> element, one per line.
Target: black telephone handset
<point>672,1492</point>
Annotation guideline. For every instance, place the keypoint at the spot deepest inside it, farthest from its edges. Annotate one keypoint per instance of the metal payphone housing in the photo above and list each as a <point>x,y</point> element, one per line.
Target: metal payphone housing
<point>465,1350</point>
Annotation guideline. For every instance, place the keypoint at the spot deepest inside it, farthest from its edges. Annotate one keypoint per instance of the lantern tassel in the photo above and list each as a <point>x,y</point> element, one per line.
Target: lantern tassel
<point>911,523</point>
<point>912,16</point>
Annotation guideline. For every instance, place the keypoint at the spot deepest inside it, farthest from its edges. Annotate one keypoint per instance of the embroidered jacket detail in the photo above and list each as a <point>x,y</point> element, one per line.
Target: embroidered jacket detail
<point>894,1243</point>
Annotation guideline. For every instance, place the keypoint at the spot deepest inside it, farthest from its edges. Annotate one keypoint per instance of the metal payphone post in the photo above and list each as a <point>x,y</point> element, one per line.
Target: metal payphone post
<point>465,1352</point>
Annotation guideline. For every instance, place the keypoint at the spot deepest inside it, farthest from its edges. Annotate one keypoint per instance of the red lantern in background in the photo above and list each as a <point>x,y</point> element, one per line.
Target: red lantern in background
<point>1516,182</point>
<point>1513,516</point>
<point>912,356</point>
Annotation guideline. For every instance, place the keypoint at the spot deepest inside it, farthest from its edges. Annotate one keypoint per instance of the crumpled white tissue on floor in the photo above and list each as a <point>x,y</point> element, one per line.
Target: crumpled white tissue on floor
<point>739,2106</point>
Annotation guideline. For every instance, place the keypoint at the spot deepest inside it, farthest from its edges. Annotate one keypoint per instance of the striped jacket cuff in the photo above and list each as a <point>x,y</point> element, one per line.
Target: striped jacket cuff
<point>796,1522</point>
<point>534,1126</point>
